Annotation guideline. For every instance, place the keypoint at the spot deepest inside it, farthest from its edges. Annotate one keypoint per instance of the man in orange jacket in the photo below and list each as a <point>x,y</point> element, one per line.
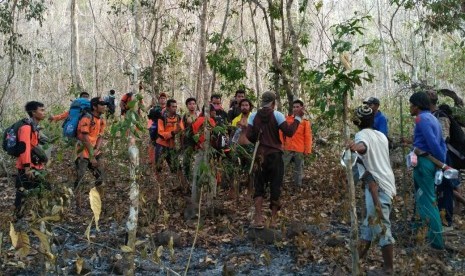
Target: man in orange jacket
<point>26,163</point>
<point>90,139</point>
<point>299,145</point>
<point>168,127</point>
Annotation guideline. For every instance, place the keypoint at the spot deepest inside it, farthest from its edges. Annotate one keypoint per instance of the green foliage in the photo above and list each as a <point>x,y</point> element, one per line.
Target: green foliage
<point>133,122</point>
<point>224,61</point>
<point>32,10</point>
<point>443,15</point>
<point>328,84</point>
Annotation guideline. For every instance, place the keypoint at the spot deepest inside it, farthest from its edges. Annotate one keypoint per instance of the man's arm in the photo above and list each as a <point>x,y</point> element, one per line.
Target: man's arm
<point>426,129</point>
<point>161,130</point>
<point>359,147</point>
<point>307,137</point>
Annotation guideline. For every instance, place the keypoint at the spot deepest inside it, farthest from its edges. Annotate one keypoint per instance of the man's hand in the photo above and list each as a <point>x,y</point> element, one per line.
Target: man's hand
<point>350,145</point>
<point>94,162</point>
<point>29,173</point>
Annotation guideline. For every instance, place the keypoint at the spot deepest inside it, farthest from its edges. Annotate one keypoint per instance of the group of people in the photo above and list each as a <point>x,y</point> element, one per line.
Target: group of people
<point>429,155</point>
<point>277,140</point>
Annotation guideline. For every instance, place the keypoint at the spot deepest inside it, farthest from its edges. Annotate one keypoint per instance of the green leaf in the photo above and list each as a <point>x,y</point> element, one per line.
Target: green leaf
<point>368,62</point>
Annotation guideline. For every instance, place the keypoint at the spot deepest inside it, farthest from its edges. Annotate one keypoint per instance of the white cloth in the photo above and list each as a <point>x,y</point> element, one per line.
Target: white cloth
<point>376,159</point>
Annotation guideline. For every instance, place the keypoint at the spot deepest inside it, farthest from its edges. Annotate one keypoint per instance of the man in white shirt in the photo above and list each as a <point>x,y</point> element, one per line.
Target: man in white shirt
<point>378,179</point>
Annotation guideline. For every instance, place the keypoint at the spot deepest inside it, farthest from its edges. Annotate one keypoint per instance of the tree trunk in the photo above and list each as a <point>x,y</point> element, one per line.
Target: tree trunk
<point>75,49</point>
<point>295,77</point>
<point>223,29</point>
<point>352,202</point>
<point>11,57</point>
<point>257,76</point>
<point>131,224</point>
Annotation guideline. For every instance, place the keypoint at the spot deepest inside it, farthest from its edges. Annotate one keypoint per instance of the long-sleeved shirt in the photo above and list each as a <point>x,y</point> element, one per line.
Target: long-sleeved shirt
<point>30,140</point>
<point>269,122</point>
<point>381,123</point>
<point>301,141</point>
<point>427,135</point>
<point>165,128</point>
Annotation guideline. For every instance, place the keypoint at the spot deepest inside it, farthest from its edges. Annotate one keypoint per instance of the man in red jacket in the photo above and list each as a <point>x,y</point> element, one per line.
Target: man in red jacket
<point>26,163</point>
<point>299,145</point>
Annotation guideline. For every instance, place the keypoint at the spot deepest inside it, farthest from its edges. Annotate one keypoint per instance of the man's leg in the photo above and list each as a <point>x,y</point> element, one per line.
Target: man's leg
<point>259,184</point>
<point>298,168</point>
<point>81,167</point>
<point>445,194</point>
<point>275,173</point>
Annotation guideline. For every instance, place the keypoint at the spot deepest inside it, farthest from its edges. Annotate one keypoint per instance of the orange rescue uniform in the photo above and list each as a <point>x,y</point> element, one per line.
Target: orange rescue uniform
<point>94,127</point>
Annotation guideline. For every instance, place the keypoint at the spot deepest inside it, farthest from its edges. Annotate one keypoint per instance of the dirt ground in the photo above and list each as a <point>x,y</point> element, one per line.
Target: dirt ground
<point>313,236</point>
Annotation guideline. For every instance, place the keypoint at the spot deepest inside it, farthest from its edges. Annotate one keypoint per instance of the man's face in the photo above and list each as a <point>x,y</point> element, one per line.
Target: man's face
<point>217,103</point>
<point>191,106</point>
<point>172,108</point>
<point>414,110</point>
<point>39,113</point>
<point>245,107</point>
<point>162,101</point>
<point>374,107</point>
<point>101,106</point>
<point>297,107</point>
<point>239,97</point>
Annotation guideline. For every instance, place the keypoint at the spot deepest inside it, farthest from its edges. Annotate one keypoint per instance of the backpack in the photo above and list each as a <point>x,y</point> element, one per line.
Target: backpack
<point>10,142</point>
<point>456,141</point>
<point>111,103</point>
<point>78,108</point>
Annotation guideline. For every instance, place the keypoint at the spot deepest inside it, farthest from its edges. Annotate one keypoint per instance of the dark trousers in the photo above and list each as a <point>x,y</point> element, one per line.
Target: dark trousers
<point>82,164</point>
<point>23,184</point>
<point>445,194</point>
<point>168,154</point>
<point>270,171</point>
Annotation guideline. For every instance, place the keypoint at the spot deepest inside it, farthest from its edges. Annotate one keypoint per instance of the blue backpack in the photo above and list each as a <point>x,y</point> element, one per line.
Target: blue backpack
<point>78,108</point>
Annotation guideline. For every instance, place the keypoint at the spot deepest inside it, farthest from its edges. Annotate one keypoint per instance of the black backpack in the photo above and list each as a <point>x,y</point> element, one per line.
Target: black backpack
<point>456,141</point>
<point>10,142</point>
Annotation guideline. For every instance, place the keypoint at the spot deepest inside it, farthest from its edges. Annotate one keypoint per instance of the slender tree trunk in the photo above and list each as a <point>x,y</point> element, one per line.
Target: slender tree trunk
<point>257,76</point>
<point>383,47</point>
<point>223,29</point>
<point>11,57</point>
<point>75,48</point>
<point>295,77</point>
<point>32,75</point>
<point>352,202</point>
<point>131,224</point>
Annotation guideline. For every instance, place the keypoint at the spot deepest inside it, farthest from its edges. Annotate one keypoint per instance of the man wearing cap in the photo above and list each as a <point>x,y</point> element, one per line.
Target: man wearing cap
<point>381,122</point>
<point>427,139</point>
<point>263,128</point>
<point>89,133</point>
<point>378,178</point>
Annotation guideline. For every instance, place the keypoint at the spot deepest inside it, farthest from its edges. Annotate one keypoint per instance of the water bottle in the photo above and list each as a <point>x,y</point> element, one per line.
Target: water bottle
<point>438,177</point>
<point>236,136</point>
<point>413,159</point>
<point>451,173</point>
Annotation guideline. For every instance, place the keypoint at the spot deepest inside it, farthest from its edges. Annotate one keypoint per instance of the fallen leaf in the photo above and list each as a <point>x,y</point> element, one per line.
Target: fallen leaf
<point>95,205</point>
<point>126,249</point>
<point>79,265</point>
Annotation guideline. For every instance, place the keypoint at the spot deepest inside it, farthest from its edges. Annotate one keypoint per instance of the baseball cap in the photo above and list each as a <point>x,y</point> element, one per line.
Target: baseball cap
<point>371,100</point>
<point>267,98</point>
